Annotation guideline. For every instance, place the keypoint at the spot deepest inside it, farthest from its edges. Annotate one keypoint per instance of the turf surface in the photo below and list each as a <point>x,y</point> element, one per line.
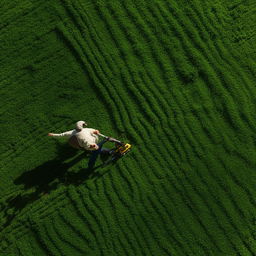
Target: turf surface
<point>176,79</point>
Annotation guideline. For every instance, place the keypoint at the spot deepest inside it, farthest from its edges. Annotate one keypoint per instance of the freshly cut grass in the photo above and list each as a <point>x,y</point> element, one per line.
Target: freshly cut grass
<point>176,79</point>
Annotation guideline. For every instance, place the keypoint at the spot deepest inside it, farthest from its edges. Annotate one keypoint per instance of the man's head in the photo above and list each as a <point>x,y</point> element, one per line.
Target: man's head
<point>80,125</point>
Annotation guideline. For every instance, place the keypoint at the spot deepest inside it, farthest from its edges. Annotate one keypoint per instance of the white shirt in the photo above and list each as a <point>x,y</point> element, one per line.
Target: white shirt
<point>85,137</point>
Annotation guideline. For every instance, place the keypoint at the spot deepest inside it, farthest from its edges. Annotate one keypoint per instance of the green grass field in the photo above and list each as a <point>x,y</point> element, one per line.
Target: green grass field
<point>176,79</point>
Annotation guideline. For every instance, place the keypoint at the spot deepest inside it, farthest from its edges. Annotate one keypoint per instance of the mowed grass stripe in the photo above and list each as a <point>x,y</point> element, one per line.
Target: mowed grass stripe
<point>80,211</point>
<point>222,186</point>
<point>95,212</point>
<point>241,209</point>
<point>189,226</point>
<point>180,33</point>
<point>52,240</point>
<point>120,216</point>
<point>75,228</point>
<point>122,198</point>
<point>183,185</point>
<point>225,57</point>
<point>125,221</point>
<point>202,145</point>
<point>135,229</point>
<point>41,209</point>
<point>119,188</point>
<point>113,184</point>
<point>198,43</point>
<point>95,59</point>
<point>118,236</point>
<point>127,76</point>
<point>164,94</point>
<point>197,224</point>
<point>35,246</point>
<point>159,63</point>
<point>179,242</point>
<point>60,240</point>
<point>143,60</point>
<point>44,239</point>
<point>86,63</point>
<point>20,228</point>
<point>124,52</point>
<point>198,182</point>
<point>112,93</point>
<point>214,20</point>
<point>127,179</point>
<point>180,190</point>
<point>75,237</point>
<point>94,220</point>
<point>63,235</point>
<point>136,93</point>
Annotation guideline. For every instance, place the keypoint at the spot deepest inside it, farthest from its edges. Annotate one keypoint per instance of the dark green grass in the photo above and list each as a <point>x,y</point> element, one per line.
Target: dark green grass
<point>174,78</point>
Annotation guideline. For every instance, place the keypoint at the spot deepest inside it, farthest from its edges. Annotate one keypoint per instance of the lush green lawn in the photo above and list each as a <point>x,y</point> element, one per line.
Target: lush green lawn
<point>176,79</point>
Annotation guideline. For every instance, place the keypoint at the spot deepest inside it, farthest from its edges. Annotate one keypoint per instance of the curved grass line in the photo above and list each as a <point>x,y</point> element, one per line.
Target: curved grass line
<point>74,228</point>
<point>133,40</point>
<point>121,236</point>
<point>96,211</point>
<point>224,55</point>
<point>127,77</point>
<point>40,241</point>
<point>222,186</point>
<point>183,220</point>
<point>129,224</point>
<point>217,30</point>
<point>116,41</point>
<point>198,44</point>
<point>49,240</point>
<point>94,219</point>
<point>114,66</point>
<point>143,62</point>
<point>103,90</point>
<point>199,194</point>
<point>205,229</point>
<point>78,210</point>
<point>161,210</point>
<point>62,239</point>
<point>125,238</point>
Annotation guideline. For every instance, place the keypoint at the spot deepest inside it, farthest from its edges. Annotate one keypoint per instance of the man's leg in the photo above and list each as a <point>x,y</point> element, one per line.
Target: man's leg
<point>95,154</point>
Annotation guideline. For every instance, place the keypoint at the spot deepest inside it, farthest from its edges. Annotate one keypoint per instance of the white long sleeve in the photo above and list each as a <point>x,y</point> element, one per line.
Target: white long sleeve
<point>66,134</point>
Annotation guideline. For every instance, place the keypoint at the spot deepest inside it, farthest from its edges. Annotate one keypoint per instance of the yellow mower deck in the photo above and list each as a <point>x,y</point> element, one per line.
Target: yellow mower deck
<point>123,149</point>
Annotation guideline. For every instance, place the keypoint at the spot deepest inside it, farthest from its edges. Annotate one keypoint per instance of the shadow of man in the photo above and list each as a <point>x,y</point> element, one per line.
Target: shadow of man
<point>42,179</point>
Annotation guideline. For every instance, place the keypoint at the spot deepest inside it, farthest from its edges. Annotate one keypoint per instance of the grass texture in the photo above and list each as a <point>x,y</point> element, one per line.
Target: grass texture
<point>176,79</point>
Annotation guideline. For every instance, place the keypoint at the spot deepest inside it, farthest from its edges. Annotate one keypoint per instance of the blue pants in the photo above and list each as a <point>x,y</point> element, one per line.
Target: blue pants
<point>95,153</point>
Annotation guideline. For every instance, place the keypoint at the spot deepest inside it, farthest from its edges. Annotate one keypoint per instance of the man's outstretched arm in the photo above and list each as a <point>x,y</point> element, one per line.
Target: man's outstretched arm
<point>66,134</point>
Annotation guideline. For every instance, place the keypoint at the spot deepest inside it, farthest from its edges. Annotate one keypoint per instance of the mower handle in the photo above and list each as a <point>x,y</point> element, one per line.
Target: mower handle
<point>110,138</point>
